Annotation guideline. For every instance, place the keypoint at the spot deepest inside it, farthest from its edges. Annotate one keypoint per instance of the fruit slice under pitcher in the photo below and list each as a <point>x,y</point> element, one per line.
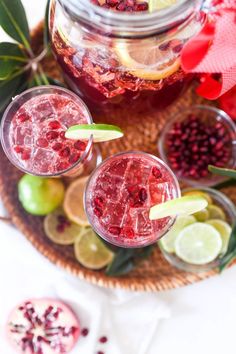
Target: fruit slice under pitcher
<point>43,326</point>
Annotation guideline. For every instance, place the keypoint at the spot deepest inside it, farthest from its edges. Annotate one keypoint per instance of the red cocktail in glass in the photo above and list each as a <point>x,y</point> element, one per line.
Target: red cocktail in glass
<point>121,192</point>
<point>33,133</point>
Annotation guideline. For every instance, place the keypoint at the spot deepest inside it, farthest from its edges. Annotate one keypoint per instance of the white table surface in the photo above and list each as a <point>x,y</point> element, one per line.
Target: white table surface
<point>202,315</point>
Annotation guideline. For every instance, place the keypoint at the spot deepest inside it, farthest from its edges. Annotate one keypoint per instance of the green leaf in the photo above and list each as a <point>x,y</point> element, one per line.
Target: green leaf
<point>231,251</point>
<point>12,51</point>
<point>55,82</point>
<point>144,252</point>
<point>122,262</point>
<point>14,22</point>
<point>228,183</point>
<point>46,36</point>
<point>11,59</point>
<point>222,171</point>
<point>8,90</point>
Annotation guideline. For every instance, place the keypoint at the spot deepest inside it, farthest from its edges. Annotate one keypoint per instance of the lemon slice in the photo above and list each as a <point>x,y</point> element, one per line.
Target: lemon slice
<point>215,212</point>
<point>202,215</point>
<point>198,244</point>
<point>201,194</point>
<point>91,252</point>
<point>59,229</point>
<point>225,231</point>
<point>168,241</point>
<point>180,206</point>
<point>73,203</point>
<point>154,5</point>
<point>146,61</point>
<point>100,132</point>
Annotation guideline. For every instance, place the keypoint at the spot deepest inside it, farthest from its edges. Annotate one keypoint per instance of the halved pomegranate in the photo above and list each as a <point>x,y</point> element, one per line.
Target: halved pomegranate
<point>43,326</point>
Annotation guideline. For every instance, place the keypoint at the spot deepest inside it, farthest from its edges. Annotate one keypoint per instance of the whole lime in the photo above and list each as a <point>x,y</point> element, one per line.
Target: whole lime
<point>40,196</point>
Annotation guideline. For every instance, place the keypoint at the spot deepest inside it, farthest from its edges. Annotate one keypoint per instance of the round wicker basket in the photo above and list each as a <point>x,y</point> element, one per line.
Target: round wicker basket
<point>153,274</point>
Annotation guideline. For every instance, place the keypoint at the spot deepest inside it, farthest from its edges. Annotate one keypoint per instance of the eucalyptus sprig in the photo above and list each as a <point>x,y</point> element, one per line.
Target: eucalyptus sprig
<point>20,67</point>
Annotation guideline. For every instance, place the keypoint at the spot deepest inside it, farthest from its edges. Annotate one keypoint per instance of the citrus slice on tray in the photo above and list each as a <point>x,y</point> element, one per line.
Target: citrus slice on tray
<point>168,241</point>
<point>74,202</point>
<point>180,206</point>
<point>91,252</point>
<point>202,215</point>
<point>225,231</point>
<point>59,229</point>
<point>154,5</point>
<point>198,244</point>
<point>146,61</point>
<point>100,132</point>
<point>215,212</point>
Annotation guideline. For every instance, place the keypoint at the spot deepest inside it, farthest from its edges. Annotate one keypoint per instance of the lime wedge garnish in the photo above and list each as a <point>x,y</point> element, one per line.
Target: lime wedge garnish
<point>225,231</point>
<point>198,244</point>
<point>215,212</point>
<point>100,132</point>
<point>168,241</point>
<point>91,252</point>
<point>154,5</point>
<point>180,206</point>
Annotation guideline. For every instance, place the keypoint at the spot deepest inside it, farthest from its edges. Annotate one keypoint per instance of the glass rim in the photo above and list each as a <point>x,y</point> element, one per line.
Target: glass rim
<point>219,112</point>
<point>41,89</point>
<point>133,22</point>
<point>130,152</point>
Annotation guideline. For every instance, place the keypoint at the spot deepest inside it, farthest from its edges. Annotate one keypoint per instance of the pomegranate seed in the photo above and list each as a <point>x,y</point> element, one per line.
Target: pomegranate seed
<point>177,48</point>
<point>103,339</point>
<point>74,158</point>
<point>18,149</point>
<point>52,135</point>
<point>98,201</point>
<point>98,212</point>
<point>85,332</point>
<point>80,145</point>
<point>99,352</point>
<point>112,2</point>
<point>128,232</point>
<point>65,152</point>
<point>57,146</point>
<point>62,135</point>
<point>25,155</point>
<point>23,117</point>
<point>141,6</point>
<point>54,124</point>
<point>156,172</point>
<point>143,194</point>
<point>164,46</point>
<point>61,166</point>
<point>114,230</point>
<point>41,142</point>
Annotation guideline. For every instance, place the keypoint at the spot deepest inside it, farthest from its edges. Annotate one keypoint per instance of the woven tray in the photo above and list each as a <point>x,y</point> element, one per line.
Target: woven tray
<point>154,274</point>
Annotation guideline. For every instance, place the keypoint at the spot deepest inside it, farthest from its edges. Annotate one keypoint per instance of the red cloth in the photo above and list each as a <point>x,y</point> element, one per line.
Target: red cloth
<point>213,51</point>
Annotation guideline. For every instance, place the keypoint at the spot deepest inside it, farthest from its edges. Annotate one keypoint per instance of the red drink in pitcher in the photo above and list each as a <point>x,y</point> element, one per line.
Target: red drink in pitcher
<point>120,54</point>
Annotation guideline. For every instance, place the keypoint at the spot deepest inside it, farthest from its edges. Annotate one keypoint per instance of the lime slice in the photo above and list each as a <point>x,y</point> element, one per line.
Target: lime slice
<point>91,252</point>
<point>198,244</point>
<point>180,206</point>
<point>202,215</point>
<point>74,202</point>
<point>168,241</point>
<point>100,132</point>
<point>215,212</point>
<point>201,194</point>
<point>59,229</point>
<point>154,5</point>
<point>225,231</point>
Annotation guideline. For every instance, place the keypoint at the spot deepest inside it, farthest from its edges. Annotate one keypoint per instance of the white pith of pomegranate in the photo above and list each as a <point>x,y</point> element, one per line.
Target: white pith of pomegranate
<point>43,326</point>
